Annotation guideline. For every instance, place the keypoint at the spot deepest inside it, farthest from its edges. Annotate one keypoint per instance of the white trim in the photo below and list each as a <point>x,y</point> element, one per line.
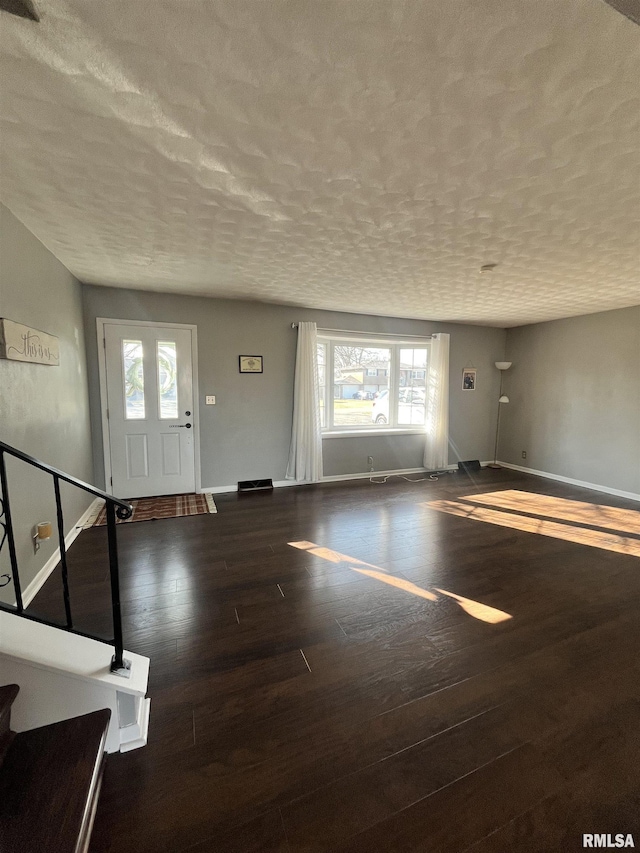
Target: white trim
<point>134,737</point>
<point>46,647</point>
<point>348,433</point>
<point>398,472</point>
<point>102,376</point>
<point>373,337</point>
<point>219,490</point>
<point>43,575</point>
<point>72,672</point>
<point>394,345</point>
<point>101,322</point>
<point>92,516</point>
<point>279,484</point>
<point>196,407</point>
<point>582,483</point>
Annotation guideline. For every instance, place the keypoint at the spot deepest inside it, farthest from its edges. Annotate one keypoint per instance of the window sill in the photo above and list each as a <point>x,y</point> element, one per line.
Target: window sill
<point>368,432</point>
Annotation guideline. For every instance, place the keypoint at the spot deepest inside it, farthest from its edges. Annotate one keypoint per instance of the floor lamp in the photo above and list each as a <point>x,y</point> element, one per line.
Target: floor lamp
<point>502,366</point>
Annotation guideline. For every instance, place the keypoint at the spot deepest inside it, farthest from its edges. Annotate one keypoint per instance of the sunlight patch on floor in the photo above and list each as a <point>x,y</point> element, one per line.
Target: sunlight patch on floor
<point>596,515</point>
<point>542,526</point>
<point>482,612</point>
<point>399,583</point>
<point>478,610</point>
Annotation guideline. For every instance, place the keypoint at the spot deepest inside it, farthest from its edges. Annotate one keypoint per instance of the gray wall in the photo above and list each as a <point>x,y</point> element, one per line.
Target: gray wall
<point>574,391</point>
<point>246,434</point>
<point>44,410</point>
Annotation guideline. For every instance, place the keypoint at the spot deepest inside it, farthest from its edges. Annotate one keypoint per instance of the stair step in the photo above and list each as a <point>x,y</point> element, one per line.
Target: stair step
<point>49,784</point>
<point>8,694</point>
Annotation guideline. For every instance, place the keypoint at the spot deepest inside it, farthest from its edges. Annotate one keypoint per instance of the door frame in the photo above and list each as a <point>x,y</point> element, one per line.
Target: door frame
<point>101,322</point>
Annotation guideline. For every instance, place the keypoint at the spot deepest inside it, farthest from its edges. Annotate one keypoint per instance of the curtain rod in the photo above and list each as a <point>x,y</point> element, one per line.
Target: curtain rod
<point>371,334</point>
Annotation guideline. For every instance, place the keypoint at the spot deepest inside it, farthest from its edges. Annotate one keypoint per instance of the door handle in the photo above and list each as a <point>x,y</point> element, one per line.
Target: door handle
<point>180,426</point>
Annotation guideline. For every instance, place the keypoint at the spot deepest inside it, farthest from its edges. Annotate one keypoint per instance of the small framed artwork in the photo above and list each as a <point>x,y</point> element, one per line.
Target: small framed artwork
<point>250,363</point>
<point>468,379</point>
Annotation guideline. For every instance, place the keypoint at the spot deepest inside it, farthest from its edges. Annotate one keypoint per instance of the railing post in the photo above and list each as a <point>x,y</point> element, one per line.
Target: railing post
<point>6,506</point>
<point>114,507</point>
<point>119,665</point>
<point>63,552</point>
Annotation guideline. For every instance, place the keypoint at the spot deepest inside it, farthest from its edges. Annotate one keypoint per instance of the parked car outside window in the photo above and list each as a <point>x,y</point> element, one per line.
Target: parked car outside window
<point>411,407</point>
<point>380,413</point>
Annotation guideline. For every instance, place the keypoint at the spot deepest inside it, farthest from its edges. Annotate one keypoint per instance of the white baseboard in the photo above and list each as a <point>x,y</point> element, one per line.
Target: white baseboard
<point>335,478</point>
<point>41,578</point>
<point>277,484</point>
<point>582,483</point>
<point>366,475</point>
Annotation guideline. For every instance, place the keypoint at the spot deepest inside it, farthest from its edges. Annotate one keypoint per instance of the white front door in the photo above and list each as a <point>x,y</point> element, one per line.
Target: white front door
<point>149,384</point>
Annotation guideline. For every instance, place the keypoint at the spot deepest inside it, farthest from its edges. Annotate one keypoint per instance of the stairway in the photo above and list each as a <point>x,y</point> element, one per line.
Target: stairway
<point>50,780</point>
<point>77,672</point>
<point>74,675</point>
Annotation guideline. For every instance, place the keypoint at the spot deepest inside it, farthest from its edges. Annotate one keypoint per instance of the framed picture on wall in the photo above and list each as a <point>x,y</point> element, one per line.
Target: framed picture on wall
<point>250,363</point>
<point>468,379</point>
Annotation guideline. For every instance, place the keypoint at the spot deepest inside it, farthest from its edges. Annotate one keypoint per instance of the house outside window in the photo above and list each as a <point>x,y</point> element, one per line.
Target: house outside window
<point>372,384</point>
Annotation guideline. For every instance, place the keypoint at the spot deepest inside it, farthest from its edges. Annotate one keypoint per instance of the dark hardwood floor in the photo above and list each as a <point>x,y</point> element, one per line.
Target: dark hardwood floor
<point>430,667</point>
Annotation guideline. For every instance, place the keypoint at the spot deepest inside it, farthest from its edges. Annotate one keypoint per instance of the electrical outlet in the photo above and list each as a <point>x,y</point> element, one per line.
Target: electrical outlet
<point>524,454</point>
<point>210,400</point>
<point>369,460</point>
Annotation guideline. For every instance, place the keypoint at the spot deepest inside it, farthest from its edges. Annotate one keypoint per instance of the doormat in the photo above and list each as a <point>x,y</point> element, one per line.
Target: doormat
<point>150,509</point>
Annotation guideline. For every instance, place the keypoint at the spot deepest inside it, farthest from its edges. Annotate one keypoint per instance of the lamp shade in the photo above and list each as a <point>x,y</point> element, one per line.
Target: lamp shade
<point>503,365</point>
<point>503,399</point>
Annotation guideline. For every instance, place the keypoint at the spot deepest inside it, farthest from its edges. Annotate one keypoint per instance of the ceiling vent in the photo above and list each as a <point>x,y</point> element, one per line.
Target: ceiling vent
<point>629,8</point>
<point>21,8</point>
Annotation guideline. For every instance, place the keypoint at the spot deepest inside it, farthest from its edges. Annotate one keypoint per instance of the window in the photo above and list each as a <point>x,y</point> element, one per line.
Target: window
<point>371,384</point>
<point>133,367</point>
<point>167,379</point>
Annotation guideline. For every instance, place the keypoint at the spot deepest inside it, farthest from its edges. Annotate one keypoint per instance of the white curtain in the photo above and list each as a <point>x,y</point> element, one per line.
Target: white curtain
<point>305,453</point>
<point>436,448</point>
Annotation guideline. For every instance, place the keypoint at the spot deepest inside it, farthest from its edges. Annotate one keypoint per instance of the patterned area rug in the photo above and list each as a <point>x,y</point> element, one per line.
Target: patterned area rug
<point>171,506</point>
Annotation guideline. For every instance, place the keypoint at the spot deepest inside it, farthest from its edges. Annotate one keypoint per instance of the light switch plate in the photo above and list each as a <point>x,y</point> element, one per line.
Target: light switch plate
<point>210,400</point>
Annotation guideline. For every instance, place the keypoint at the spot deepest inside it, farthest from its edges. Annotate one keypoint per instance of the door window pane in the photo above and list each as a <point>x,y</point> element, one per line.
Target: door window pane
<point>133,380</point>
<point>358,395</point>
<point>167,379</point>
<point>412,389</point>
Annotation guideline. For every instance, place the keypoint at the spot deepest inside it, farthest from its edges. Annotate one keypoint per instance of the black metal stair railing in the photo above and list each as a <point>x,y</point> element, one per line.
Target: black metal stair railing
<point>114,507</point>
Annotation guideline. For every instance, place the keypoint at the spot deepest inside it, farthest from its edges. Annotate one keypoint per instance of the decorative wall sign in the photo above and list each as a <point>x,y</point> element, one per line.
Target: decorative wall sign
<point>468,379</point>
<point>21,343</point>
<point>250,363</point>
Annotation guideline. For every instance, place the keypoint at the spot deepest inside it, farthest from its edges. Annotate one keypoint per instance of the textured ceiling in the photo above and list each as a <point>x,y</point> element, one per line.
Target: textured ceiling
<point>362,156</point>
